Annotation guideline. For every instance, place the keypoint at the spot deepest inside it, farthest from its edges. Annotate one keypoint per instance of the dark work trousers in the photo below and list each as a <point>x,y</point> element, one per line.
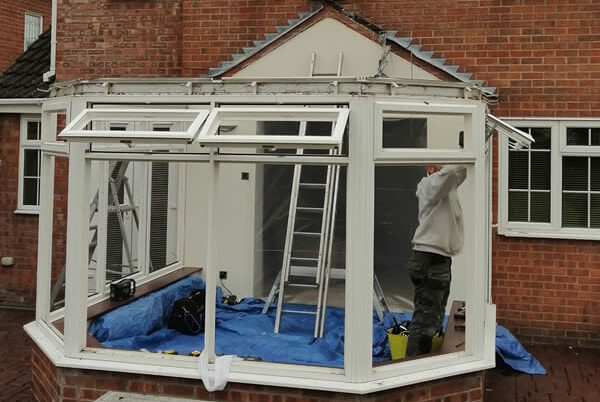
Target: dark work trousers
<point>431,275</point>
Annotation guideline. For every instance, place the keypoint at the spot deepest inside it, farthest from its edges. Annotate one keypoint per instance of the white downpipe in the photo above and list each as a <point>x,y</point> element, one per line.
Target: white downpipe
<point>52,72</point>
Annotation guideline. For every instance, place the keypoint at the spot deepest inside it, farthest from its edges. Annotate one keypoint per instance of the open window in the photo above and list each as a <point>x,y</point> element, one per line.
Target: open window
<point>246,127</point>
<point>91,126</point>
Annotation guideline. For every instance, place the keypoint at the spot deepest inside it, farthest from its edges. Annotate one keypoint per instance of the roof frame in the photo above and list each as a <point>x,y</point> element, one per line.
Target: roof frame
<point>211,137</point>
<point>78,130</point>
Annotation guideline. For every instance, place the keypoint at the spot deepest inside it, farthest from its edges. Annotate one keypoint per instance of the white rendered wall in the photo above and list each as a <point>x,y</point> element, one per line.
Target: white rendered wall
<point>327,38</point>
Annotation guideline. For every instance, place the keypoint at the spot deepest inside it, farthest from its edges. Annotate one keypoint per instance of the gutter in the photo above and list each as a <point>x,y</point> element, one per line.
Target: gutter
<point>21,105</point>
<point>52,72</point>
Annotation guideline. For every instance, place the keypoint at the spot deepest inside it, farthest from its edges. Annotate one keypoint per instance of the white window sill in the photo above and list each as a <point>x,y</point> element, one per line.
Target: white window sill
<point>564,234</point>
<point>21,211</point>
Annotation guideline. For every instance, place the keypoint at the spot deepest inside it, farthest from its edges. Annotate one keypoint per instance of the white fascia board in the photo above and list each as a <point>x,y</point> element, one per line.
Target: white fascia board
<point>520,138</point>
<point>18,105</point>
<point>209,136</point>
<point>75,130</point>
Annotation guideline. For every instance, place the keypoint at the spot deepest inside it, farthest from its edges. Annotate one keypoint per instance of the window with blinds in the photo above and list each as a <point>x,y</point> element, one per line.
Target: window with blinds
<point>529,172</point>
<point>33,28</point>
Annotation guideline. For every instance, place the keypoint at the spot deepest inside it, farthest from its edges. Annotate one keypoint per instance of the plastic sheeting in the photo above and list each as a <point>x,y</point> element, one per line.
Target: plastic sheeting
<point>514,354</point>
<point>243,331</point>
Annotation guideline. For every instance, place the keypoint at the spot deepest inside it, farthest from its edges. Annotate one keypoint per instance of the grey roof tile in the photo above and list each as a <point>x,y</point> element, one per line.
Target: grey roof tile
<point>25,76</point>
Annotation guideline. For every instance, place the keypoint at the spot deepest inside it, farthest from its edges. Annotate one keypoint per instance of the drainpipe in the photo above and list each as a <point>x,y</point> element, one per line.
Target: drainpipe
<point>49,74</point>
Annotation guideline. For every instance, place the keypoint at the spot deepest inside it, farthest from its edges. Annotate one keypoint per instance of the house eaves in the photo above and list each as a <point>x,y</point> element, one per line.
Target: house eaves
<point>387,36</point>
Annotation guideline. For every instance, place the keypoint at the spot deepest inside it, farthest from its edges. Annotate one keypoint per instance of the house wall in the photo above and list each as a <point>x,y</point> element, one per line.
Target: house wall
<point>12,26</point>
<point>19,232</point>
<point>543,56</point>
<point>52,384</point>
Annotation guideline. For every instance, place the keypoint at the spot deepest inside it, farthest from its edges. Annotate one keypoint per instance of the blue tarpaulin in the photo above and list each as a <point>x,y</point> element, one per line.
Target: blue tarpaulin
<point>243,331</point>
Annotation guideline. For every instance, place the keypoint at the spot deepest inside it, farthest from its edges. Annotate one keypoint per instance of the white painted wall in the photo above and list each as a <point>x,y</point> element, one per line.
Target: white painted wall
<point>327,38</point>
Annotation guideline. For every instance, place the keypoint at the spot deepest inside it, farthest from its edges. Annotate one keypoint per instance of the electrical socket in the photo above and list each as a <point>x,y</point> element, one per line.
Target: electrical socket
<point>222,274</point>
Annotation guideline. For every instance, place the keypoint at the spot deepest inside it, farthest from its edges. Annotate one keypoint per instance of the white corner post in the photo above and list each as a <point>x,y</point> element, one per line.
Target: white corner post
<point>359,243</point>
<point>211,269</point>
<point>77,250</point>
<point>44,258</point>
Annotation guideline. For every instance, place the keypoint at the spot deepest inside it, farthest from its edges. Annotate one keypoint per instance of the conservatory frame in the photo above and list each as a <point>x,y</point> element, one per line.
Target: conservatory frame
<point>366,101</point>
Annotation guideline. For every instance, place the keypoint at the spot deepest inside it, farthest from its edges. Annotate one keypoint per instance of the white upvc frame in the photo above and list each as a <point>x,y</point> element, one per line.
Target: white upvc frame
<point>76,129</point>
<point>50,150</point>
<point>357,376</point>
<point>559,148</point>
<point>477,333</point>
<point>26,144</point>
<point>209,135</point>
<point>413,155</point>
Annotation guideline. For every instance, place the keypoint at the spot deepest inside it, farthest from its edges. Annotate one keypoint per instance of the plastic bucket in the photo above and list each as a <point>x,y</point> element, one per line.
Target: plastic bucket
<point>397,344</point>
<point>436,343</point>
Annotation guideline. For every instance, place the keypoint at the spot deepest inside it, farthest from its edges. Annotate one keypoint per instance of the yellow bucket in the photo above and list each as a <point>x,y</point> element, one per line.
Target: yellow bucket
<point>397,344</point>
<point>436,343</point>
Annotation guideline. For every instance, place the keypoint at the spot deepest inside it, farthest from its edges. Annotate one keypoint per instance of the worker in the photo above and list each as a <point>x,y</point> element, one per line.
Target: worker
<point>437,239</point>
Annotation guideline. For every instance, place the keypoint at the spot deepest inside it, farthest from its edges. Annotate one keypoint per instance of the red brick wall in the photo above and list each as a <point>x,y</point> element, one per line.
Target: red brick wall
<point>12,26</point>
<point>51,384</point>
<point>19,232</point>
<point>213,30</point>
<point>118,38</point>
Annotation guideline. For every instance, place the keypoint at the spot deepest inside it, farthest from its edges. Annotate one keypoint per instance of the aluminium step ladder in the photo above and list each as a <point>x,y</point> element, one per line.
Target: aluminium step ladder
<point>297,264</point>
<point>117,178</point>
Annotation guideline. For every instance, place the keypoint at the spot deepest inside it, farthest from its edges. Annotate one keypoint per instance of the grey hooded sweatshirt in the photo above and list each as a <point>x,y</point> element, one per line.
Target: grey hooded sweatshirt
<point>441,228</point>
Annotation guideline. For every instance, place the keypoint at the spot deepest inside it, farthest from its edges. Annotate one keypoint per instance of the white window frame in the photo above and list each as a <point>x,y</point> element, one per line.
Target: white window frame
<point>358,375</point>
<point>209,136</point>
<point>25,144</point>
<point>41,27</point>
<point>559,148</point>
<point>76,129</point>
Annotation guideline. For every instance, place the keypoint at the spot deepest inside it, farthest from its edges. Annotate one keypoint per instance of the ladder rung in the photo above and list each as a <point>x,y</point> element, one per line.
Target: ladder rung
<point>313,185</point>
<point>302,285</point>
<point>309,209</point>
<point>93,227</point>
<point>299,311</point>
<point>308,234</point>
<point>304,259</point>
<point>118,208</point>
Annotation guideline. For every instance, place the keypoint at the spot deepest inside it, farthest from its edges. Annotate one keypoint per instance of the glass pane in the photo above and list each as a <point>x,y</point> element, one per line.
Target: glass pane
<point>421,130</point>
<point>575,210</point>
<point>595,136</point>
<point>122,221</point>
<point>595,211</point>
<point>518,206</point>
<point>31,191</point>
<point>575,173</point>
<point>578,136</point>
<point>163,215</point>
<point>540,207</point>
<point>518,170</point>
<point>540,170</point>
<point>253,218</point>
<point>405,133</point>
<point>542,137</point>
<point>595,174</point>
<point>396,226</point>
<point>31,162</point>
<point>33,130</point>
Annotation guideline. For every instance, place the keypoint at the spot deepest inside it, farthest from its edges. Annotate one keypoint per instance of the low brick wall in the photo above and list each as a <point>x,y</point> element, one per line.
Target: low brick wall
<point>52,384</point>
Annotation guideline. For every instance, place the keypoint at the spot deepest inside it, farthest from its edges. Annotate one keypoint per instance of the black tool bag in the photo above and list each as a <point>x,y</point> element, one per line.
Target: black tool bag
<point>188,313</point>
